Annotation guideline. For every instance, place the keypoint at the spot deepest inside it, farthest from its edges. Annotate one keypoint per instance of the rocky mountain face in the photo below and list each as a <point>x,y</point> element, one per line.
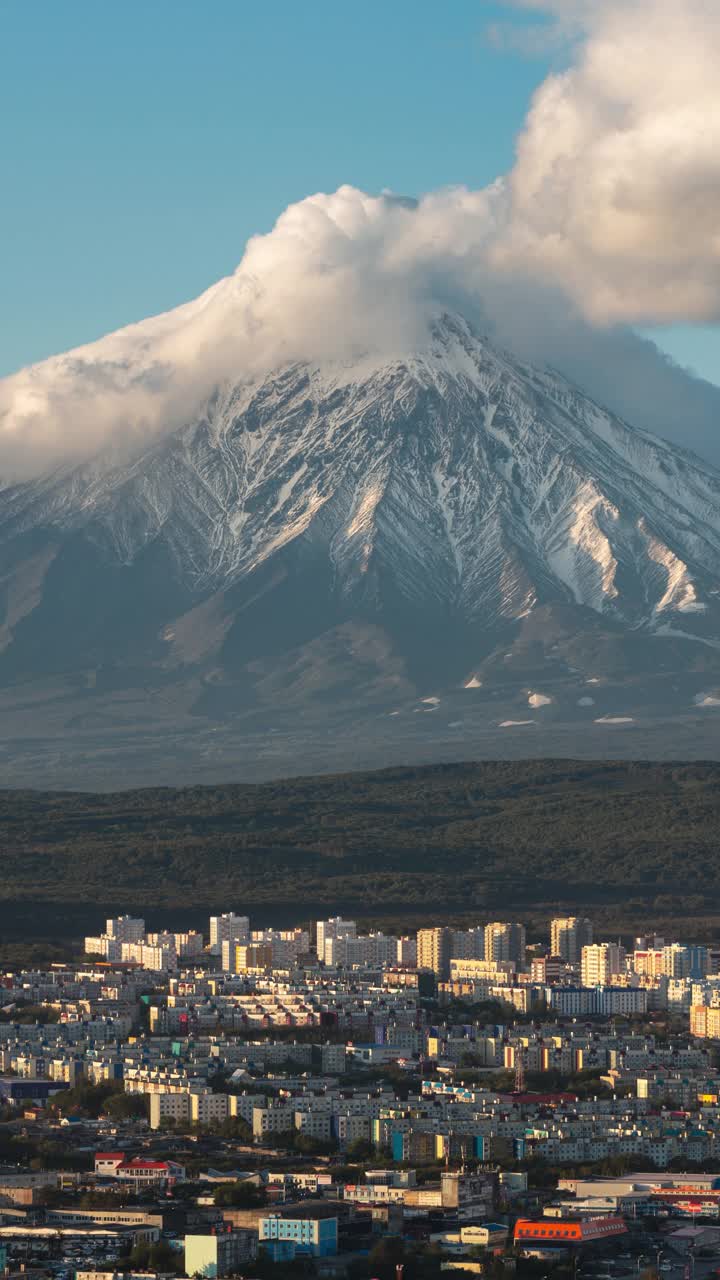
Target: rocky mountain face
<point>443,551</point>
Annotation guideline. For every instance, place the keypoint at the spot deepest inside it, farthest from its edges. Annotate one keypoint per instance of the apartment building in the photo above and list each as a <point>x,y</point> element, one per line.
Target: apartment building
<point>407,952</point>
<point>125,928</point>
<point>599,962</point>
<point>328,930</point>
<point>505,942</point>
<point>223,1253</point>
<point>568,936</point>
<point>468,944</point>
<point>705,1021</point>
<point>433,951</point>
<point>149,956</point>
<point>372,949</point>
<point>315,1236</point>
<point>228,928</point>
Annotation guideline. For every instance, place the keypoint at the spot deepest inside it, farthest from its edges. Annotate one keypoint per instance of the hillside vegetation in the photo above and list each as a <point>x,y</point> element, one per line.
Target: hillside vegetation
<point>400,843</point>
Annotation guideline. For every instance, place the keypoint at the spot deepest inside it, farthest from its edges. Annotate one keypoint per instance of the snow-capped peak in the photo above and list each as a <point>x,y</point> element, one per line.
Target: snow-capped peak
<point>466,479</point>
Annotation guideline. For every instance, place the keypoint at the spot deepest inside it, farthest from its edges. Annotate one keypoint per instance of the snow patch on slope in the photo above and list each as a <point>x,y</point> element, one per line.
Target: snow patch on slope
<point>579,550</point>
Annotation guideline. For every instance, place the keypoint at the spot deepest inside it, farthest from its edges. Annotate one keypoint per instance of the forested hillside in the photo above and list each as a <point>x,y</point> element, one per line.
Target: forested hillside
<point>402,844</point>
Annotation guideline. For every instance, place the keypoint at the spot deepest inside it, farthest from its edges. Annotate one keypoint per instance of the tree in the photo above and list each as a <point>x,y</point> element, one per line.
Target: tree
<point>157,1257</point>
<point>240,1195</point>
<point>360,1149</point>
<point>236,1127</point>
<point>84,1098</point>
<point>385,1256</point>
<point>128,1106</point>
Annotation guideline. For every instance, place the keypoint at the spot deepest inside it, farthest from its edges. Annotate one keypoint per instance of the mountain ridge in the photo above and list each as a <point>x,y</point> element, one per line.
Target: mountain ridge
<point>354,539</point>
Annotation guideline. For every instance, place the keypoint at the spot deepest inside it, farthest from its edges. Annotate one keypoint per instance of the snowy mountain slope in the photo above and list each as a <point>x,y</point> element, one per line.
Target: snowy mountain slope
<point>474,480</point>
<point>378,525</point>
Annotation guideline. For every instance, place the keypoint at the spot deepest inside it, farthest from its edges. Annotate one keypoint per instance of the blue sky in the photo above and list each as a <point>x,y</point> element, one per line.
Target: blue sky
<point>143,142</point>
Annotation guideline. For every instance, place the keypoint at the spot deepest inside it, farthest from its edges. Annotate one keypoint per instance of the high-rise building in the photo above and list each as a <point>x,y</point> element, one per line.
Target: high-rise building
<point>228,928</point>
<point>188,944</point>
<point>125,928</point>
<point>407,951</point>
<point>599,962</point>
<point>676,961</point>
<point>649,942</point>
<point>104,945</point>
<point>468,944</point>
<point>568,936</point>
<point>287,944</point>
<point>505,942</point>
<point>699,960</point>
<point>546,970</point>
<point>149,955</point>
<point>649,962</point>
<point>370,949</point>
<point>253,955</point>
<point>331,929</point>
<point>433,951</point>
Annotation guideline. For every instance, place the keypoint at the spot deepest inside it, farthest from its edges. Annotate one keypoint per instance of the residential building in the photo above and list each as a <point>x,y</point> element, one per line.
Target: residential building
<point>407,951</point>
<point>125,928</point>
<point>316,1236</point>
<point>599,962</point>
<point>149,956</point>
<point>676,961</point>
<point>228,928</point>
<point>433,951</point>
<point>705,1022</point>
<point>254,955</point>
<point>378,949</point>
<point>223,1253</point>
<point>468,944</point>
<point>188,944</point>
<point>505,942</point>
<point>568,936</point>
<point>330,929</point>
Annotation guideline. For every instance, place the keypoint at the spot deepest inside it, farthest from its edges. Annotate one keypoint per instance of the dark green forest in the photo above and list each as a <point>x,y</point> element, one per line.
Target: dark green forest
<point>627,841</point>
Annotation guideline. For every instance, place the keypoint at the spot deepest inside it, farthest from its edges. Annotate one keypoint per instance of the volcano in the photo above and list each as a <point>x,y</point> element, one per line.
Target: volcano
<point>427,555</point>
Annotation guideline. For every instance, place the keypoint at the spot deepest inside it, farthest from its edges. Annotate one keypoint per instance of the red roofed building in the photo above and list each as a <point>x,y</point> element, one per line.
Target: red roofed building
<point>142,1173</point>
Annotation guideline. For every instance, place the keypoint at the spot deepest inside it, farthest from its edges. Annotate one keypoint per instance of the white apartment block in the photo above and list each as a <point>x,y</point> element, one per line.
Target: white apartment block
<point>287,944</point>
<point>370,949</point>
<point>168,1106</point>
<point>336,927</point>
<point>599,962</point>
<point>315,1124</point>
<point>272,1120</point>
<point>125,928</point>
<point>103,945</point>
<point>228,928</point>
<point>147,956</point>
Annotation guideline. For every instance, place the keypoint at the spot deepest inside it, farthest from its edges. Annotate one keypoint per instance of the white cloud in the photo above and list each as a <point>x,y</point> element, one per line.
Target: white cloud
<point>609,217</point>
<point>616,191</point>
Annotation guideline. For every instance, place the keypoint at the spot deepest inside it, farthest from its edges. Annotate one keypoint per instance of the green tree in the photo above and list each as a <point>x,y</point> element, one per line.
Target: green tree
<point>240,1195</point>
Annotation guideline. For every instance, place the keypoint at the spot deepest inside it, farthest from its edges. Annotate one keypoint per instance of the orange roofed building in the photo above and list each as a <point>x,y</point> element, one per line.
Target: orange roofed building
<point>566,1234</point>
